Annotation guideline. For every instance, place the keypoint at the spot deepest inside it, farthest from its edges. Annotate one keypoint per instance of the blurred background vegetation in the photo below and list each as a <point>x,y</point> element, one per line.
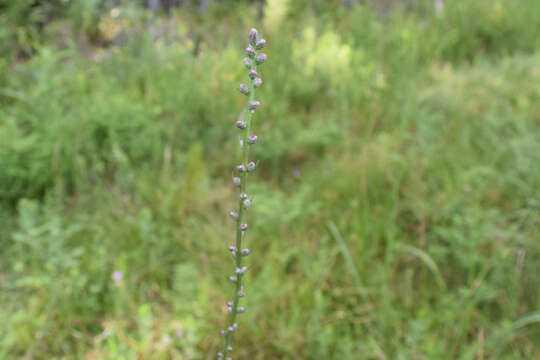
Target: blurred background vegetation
<point>396,210</point>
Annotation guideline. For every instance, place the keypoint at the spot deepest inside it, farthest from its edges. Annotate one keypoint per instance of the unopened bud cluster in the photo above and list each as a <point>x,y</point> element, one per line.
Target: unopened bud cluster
<point>254,57</point>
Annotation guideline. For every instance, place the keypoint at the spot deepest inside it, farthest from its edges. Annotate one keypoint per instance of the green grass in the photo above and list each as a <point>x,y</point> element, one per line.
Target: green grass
<point>412,232</point>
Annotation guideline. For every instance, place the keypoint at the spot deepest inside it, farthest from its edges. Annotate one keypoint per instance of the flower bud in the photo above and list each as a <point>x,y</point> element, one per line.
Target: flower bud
<point>241,293</point>
<point>252,74</point>
<point>240,310</point>
<point>245,252</point>
<point>232,278</point>
<point>222,332</point>
<point>247,204</point>
<point>117,276</point>
<point>241,168</point>
<point>235,326</point>
<point>243,270</point>
<point>231,329</point>
<point>241,124</point>
<point>247,63</point>
<point>254,104</point>
<point>243,227</point>
<point>243,196</point>
<point>260,58</point>
<point>253,36</point>
<point>257,82</point>
<point>229,348</point>
<point>232,248</point>
<point>251,166</point>
<point>250,51</point>
<point>229,303</point>
<point>219,355</point>
<point>261,43</point>
<point>234,215</point>
<point>252,139</point>
<point>243,89</point>
<point>236,181</point>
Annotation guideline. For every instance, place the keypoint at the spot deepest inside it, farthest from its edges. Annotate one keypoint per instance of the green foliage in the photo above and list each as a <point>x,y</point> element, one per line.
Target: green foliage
<point>412,231</point>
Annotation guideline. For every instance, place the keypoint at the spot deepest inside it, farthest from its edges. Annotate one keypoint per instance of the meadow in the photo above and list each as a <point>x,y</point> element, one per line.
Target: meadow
<point>397,199</point>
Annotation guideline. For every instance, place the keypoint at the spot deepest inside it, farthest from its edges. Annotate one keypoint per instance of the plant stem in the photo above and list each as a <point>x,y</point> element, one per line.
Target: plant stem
<point>241,211</point>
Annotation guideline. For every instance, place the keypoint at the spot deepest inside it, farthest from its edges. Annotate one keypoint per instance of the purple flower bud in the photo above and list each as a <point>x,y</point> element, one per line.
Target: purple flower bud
<point>241,168</point>
<point>254,104</point>
<point>229,348</point>
<point>245,252</point>
<point>232,248</point>
<point>250,51</point>
<point>232,278</point>
<point>243,196</point>
<point>236,181</point>
<point>222,332</point>
<point>233,214</point>
<point>243,227</point>
<point>238,271</point>
<point>261,43</point>
<point>252,74</point>
<point>258,82</point>
<point>241,124</point>
<point>241,293</point>
<point>231,329</point>
<point>229,310</point>
<point>229,303</point>
<point>243,89</point>
<point>229,358</point>
<point>260,58</point>
<point>247,63</point>
<point>247,204</point>
<point>240,310</point>
<point>252,139</point>
<point>253,36</point>
<point>117,276</point>
<point>219,355</point>
<point>235,326</point>
<point>251,166</point>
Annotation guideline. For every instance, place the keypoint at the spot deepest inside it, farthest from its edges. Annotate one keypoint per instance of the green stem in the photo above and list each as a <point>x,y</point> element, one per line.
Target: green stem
<point>241,210</point>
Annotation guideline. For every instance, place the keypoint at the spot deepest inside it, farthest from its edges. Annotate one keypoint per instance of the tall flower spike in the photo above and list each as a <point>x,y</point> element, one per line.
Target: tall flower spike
<point>253,59</point>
